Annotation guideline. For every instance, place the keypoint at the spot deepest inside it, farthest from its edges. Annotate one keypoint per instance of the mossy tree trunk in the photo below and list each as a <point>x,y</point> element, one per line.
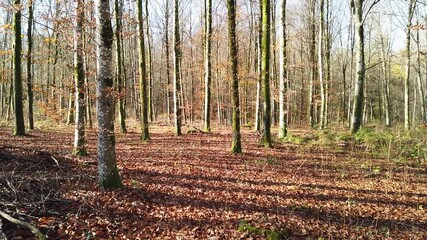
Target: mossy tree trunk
<point>265,70</point>
<point>208,64</point>
<point>357,116</point>
<point>79,78</point>
<point>17,76</point>
<point>145,135</point>
<point>283,91</point>
<point>107,168</point>
<point>119,67</point>
<point>177,71</point>
<point>30,94</point>
<point>236,144</point>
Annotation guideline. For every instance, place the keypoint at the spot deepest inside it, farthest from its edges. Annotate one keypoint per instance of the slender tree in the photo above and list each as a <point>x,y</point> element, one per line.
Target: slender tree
<point>119,66</point>
<point>236,144</point>
<point>30,94</point>
<point>208,64</point>
<point>177,70</point>
<point>265,70</point>
<point>145,136</point>
<point>79,78</point>
<point>411,6</point>
<point>149,64</point>
<point>17,73</point>
<point>283,72</point>
<point>107,168</point>
<point>312,46</point>
<point>321,64</point>
<point>357,114</point>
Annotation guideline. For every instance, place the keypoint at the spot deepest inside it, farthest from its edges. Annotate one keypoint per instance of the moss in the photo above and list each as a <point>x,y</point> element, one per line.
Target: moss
<point>112,181</point>
<point>81,152</point>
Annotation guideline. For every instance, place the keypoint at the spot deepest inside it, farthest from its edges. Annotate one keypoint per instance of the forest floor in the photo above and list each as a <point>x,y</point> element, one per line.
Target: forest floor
<point>191,187</point>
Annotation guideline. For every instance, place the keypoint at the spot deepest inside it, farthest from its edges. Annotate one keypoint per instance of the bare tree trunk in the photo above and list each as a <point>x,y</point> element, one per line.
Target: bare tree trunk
<point>312,46</point>
<point>259,60</point>
<point>283,81</point>
<point>321,64</point>
<point>119,69</point>
<point>30,65</point>
<point>419,82</point>
<point>265,69</point>
<point>357,116</point>
<point>107,168</point>
<point>17,76</point>
<point>79,78</point>
<point>149,64</point>
<point>236,144</point>
<point>145,135</point>
<point>208,65</point>
<point>177,71</point>
<point>411,7</point>
<point>168,74</point>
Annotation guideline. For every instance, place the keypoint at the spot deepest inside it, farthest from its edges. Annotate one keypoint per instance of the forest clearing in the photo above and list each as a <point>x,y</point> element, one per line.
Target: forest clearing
<point>191,187</point>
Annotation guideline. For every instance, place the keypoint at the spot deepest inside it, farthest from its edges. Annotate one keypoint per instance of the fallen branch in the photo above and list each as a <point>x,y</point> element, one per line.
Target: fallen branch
<point>33,229</point>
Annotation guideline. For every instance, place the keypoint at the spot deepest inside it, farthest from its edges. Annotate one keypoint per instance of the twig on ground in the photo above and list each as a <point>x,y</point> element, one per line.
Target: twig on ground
<point>16,221</point>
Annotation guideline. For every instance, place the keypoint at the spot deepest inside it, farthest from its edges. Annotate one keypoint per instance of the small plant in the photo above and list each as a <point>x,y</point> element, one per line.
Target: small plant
<point>292,139</point>
<point>267,233</point>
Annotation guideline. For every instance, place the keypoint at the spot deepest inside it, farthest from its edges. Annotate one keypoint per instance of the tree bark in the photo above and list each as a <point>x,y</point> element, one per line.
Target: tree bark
<point>283,91</point>
<point>79,78</point>
<point>17,76</point>
<point>107,168</point>
<point>119,69</point>
<point>177,71</point>
<point>265,70</point>
<point>145,135</point>
<point>357,114</point>
<point>208,65</point>
<point>236,145</point>
<point>30,65</point>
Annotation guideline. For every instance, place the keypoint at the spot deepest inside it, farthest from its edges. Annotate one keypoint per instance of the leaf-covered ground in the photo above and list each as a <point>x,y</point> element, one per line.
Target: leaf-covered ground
<point>190,187</point>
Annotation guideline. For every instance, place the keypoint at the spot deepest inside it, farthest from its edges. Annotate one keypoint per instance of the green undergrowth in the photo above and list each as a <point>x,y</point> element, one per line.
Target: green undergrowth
<point>394,144</point>
<point>260,232</point>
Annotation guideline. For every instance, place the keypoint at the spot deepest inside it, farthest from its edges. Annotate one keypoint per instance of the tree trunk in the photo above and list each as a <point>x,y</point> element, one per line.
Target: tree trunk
<point>17,76</point>
<point>321,64</point>
<point>149,64</point>
<point>419,82</point>
<point>357,116</point>
<point>107,168</point>
<point>177,71</point>
<point>168,74</point>
<point>411,7</point>
<point>236,145</point>
<point>79,78</point>
<point>265,70</point>
<point>30,66</point>
<point>312,46</point>
<point>208,64</point>
<point>119,69</point>
<point>283,81</point>
<point>145,135</point>
<point>259,60</point>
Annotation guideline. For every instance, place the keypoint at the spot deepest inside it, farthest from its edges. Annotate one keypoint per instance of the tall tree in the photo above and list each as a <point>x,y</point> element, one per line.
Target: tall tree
<point>107,168</point>
<point>283,91</point>
<point>30,94</point>
<point>145,136</point>
<point>79,78</point>
<point>119,65</point>
<point>168,73</point>
<point>321,64</point>
<point>208,64</point>
<point>411,7</point>
<point>357,114</point>
<point>149,64</point>
<point>265,70</point>
<point>177,70</point>
<point>312,46</point>
<point>17,73</point>
<point>236,144</point>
